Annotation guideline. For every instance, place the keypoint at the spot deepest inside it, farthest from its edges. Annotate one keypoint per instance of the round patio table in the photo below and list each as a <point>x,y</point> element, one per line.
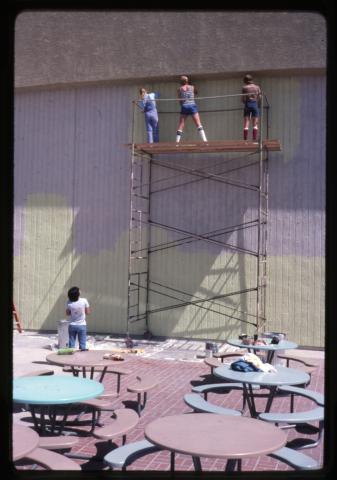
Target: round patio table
<point>270,380</point>
<point>270,348</point>
<point>43,394</point>
<point>212,435</point>
<point>54,390</point>
<point>90,359</point>
<point>25,440</point>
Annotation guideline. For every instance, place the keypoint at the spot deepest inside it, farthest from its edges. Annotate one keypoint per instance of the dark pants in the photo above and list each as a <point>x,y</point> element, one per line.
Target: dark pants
<point>251,108</point>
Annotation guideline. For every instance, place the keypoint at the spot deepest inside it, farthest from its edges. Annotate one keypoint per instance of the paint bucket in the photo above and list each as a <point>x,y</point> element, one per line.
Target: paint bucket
<point>63,333</point>
<point>211,348</point>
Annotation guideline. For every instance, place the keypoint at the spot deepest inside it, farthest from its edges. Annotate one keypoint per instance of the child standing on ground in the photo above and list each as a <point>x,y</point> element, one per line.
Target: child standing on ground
<point>77,308</point>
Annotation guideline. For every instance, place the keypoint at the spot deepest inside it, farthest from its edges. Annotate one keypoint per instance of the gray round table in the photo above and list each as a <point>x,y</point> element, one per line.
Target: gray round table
<point>25,440</point>
<point>270,380</point>
<point>211,435</point>
<point>269,348</point>
<point>86,360</point>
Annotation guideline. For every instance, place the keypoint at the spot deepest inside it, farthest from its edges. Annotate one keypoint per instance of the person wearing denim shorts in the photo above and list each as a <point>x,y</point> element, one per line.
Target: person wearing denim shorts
<point>251,100</point>
<point>186,93</point>
<point>77,308</point>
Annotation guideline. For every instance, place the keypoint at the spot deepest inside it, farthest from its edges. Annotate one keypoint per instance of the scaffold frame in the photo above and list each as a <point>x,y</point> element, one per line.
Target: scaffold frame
<point>145,157</point>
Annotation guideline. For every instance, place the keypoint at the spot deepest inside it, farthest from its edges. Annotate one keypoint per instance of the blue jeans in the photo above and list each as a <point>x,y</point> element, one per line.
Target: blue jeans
<point>152,129</point>
<point>81,332</point>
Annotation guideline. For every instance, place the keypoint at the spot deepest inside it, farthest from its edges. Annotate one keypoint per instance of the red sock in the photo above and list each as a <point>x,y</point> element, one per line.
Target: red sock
<point>254,134</point>
<point>245,133</point>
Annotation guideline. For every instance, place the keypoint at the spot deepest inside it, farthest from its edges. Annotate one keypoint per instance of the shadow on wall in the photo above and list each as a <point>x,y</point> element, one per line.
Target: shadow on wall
<point>71,202</point>
<point>183,267</point>
<point>102,279</point>
<point>192,270</point>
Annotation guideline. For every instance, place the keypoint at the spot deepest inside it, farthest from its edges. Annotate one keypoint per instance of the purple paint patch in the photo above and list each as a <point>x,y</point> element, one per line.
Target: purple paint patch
<point>296,223</point>
<point>71,143</point>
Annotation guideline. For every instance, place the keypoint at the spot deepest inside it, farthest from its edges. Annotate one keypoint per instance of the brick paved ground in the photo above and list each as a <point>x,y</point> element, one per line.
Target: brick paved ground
<point>167,399</point>
<point>176,378</point>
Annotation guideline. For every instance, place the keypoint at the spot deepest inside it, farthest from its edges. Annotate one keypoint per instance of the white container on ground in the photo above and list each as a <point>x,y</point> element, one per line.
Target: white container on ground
<point>63,334</point>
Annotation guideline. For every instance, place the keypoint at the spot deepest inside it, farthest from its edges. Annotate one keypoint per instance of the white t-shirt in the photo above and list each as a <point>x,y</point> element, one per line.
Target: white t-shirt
<point>77,311</point>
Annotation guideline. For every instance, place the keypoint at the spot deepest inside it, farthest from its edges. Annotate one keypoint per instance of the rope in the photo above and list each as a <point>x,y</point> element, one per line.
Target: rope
<point>176,99</point>
<point>208,111</point>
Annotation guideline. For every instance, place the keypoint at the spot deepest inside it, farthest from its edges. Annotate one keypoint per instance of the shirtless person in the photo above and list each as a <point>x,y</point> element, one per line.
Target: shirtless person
<point>251,101</point>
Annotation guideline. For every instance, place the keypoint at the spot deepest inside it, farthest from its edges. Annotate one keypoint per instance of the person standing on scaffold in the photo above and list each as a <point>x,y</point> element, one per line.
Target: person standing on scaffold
<point>149,108</point>
<point>251,101</point>
<point>186,93</point>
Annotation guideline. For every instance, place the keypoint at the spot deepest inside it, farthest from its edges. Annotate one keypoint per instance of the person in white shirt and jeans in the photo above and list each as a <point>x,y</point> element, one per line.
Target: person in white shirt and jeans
<point>77,308</point>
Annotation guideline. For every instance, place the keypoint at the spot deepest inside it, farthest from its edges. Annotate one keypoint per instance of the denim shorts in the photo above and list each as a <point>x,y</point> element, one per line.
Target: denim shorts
<point>189,109</point>
<point>251,108</point>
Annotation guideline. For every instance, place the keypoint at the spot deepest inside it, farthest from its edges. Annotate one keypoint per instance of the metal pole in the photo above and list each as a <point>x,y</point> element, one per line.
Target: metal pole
<point>258,267</point>
<point>265,234</point>
<point>266,231</point>
<point>147,305</point>
<point>131,177</point>
<point>267,116</point>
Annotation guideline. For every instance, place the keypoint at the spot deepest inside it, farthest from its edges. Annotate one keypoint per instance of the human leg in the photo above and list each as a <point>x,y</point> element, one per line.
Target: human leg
<point>251,111</point>
<point>246,121</point>
<point>255,128</point>
<point>72,336</point>
<point>155,126</point>
<point>156,133</point>
<point>180,127</point>
<point>149,129</point>
<point>82,336</point>
<point>197,121</point>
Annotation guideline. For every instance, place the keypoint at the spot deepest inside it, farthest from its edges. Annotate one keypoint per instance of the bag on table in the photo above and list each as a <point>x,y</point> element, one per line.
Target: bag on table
<point>243,366</point>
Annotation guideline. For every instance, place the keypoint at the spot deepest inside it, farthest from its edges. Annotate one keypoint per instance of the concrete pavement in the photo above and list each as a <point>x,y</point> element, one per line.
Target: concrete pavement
<point>30,349</point>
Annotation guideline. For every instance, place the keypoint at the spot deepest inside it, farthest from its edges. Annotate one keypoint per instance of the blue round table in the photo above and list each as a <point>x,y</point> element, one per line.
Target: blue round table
<point>270,380</point>
<point>48,392</point>
<point>54,390</point>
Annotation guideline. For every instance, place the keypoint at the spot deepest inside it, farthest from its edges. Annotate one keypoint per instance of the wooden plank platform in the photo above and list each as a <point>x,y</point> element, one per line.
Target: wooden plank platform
<point>206,147</point>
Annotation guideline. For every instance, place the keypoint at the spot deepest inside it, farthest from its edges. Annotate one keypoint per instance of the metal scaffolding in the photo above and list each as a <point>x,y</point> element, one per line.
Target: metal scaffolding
<point>144,158</point>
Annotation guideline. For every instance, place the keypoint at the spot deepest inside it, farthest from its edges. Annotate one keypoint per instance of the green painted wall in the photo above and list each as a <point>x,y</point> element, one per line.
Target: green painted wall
<point>72,209</point>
